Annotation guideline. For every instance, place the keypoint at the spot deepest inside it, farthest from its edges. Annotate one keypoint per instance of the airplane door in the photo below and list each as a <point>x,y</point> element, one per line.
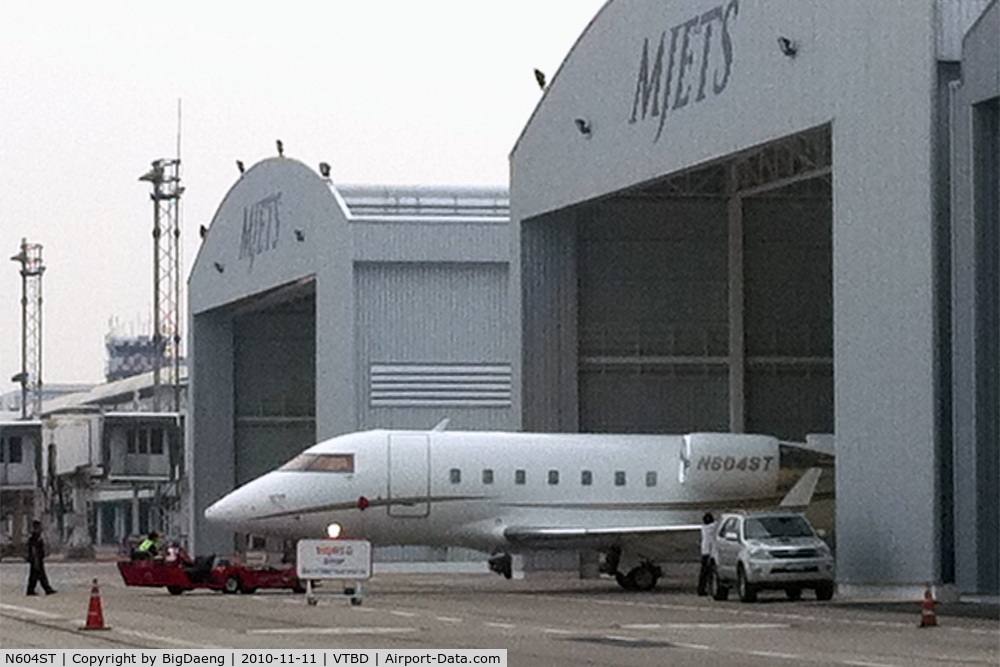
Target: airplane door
<point>409,475</point>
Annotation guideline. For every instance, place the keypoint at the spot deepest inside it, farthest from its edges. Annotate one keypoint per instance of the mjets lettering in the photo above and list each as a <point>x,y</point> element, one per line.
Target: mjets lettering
<point>730,463</point>
<point>698,45</point>
<point>261,228</point>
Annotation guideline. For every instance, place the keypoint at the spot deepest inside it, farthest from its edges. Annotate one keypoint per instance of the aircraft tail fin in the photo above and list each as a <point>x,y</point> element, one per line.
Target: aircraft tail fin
<point>801,494</point>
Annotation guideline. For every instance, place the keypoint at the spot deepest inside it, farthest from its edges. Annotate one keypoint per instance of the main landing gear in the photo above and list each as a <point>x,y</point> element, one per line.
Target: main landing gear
<point>501,564</point>
<point>641,577</point>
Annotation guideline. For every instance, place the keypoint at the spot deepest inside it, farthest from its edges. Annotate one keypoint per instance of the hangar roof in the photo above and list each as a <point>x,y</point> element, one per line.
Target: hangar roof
<point>370,202</point>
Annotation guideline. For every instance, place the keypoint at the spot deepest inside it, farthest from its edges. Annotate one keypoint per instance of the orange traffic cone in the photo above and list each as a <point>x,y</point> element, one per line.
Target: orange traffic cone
<point>928,619</point>
<point>95,616</point>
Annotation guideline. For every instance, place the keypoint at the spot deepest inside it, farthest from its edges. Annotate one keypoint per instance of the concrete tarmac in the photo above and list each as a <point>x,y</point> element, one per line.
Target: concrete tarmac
<point>548,619</point>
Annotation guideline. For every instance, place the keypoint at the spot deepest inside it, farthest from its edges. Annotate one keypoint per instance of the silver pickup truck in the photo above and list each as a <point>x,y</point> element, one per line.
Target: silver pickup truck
<point>769,550</point>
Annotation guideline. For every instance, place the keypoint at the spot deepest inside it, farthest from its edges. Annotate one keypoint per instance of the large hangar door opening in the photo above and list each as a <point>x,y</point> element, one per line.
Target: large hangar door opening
<point>274,373</point>
<point>703,299</point>
<point>653,333</point>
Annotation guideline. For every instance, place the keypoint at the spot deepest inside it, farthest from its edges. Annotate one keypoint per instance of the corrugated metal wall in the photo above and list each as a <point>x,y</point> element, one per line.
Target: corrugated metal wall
<point>549,324</point>
<point>432,342</point>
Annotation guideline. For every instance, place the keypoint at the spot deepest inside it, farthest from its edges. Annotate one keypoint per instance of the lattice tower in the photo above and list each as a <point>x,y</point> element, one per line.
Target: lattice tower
<point>30,376</point>
<point>166,195</point>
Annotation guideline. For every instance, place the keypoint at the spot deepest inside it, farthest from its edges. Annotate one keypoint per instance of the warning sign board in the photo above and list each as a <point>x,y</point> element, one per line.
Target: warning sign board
<point>334,559</point>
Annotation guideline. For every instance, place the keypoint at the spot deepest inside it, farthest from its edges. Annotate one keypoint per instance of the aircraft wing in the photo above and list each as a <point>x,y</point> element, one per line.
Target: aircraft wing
<point>602,537</point>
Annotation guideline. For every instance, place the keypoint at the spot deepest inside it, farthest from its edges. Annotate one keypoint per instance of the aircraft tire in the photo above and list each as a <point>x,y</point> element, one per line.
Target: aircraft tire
<point>747,591</point>
<point>643,578</point>
<point>715,587</point>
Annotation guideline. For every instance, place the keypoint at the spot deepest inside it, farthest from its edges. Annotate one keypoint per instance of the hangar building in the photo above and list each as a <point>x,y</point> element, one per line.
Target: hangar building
<point>774,216</point>
<point>317,311</point>
<point>736,215</point>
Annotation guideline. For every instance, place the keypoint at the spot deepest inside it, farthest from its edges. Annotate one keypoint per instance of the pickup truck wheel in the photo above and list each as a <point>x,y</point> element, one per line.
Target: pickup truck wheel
<point>232,585</point>
<point>175,590</point>
<point>748,592</point>
<point>824,591</point>
<point>715,587</point>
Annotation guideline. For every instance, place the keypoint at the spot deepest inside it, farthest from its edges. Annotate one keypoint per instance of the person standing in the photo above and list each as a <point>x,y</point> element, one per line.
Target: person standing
<point>36,561</point>
<point>707,535</point>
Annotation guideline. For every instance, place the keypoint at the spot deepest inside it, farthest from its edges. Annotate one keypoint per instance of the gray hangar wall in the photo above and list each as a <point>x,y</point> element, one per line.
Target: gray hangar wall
<point>718,230</point>
<point>317,311</point>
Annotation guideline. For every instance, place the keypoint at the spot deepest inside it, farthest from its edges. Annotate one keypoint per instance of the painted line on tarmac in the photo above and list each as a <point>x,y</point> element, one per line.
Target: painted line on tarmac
<point>862,663</point>
<point>404,614</point>
<point>705,626</point>
<point>168,640</point>
<point>775,654</point>
<point>503,626</point>
<point>29,610</point>
<point>448,619</point>
<point>330,631</point>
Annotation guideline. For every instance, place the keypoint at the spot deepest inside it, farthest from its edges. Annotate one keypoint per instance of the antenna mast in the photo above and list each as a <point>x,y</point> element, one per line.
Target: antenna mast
<point>165,179</point>
<point>30,376</point>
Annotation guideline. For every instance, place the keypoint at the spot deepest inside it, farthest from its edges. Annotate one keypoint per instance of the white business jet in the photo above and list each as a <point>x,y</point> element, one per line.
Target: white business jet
<point>634,498</point>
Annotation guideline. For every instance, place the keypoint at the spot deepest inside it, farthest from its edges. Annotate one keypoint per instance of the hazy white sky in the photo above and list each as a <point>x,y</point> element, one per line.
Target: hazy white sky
<point>386,91</point>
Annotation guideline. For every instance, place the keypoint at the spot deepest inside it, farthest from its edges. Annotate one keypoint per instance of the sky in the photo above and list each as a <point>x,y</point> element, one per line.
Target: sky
<point>386,91</point>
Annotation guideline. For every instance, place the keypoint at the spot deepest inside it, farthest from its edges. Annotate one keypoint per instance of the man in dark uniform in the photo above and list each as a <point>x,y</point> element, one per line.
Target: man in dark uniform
<point>36,560</point>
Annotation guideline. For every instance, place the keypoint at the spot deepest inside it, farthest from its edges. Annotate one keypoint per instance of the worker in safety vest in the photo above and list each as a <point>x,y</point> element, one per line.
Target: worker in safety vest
<point>150,547</point>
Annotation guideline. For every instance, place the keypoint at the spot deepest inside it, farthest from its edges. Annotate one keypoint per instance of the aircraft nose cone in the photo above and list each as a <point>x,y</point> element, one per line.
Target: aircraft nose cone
<point>228,510</point>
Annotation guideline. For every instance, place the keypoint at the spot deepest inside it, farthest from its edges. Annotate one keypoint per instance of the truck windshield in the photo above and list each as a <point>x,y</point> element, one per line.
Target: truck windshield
<point>776,526</point>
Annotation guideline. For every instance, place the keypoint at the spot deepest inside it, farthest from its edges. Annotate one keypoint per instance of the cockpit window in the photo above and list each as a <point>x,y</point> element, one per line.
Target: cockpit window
<point>321,463</point>
<point>776,526</point>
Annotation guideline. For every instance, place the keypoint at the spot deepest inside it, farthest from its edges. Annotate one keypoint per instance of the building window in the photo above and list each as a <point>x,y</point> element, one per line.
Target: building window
<point>143,436</point>
<point>13,452</point>
<point>487,476</point>
<point>619,478</point>
<point>130,441</point>
<point>586,478</point>
<point>519,477</point>
<point>651,478</point>
<point>456,475</point>
<point>156,441</point>
<point>553,477</point>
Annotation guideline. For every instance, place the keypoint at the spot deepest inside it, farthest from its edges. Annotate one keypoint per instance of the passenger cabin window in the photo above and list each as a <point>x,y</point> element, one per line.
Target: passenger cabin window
<point>619,478</point>
<point>487,476</point>
<point>143,441</point>
<point>130,441</point>
<point>456,475</point>
<point>651,478</point>
<point>519,477</point>
<point>586,478</point>
<point>728,531</point>
<point>321,463</point>
<point>553,477</point>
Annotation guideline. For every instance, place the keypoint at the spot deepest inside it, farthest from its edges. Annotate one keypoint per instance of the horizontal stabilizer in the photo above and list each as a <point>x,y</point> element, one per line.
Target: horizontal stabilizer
<point>801,494</point>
